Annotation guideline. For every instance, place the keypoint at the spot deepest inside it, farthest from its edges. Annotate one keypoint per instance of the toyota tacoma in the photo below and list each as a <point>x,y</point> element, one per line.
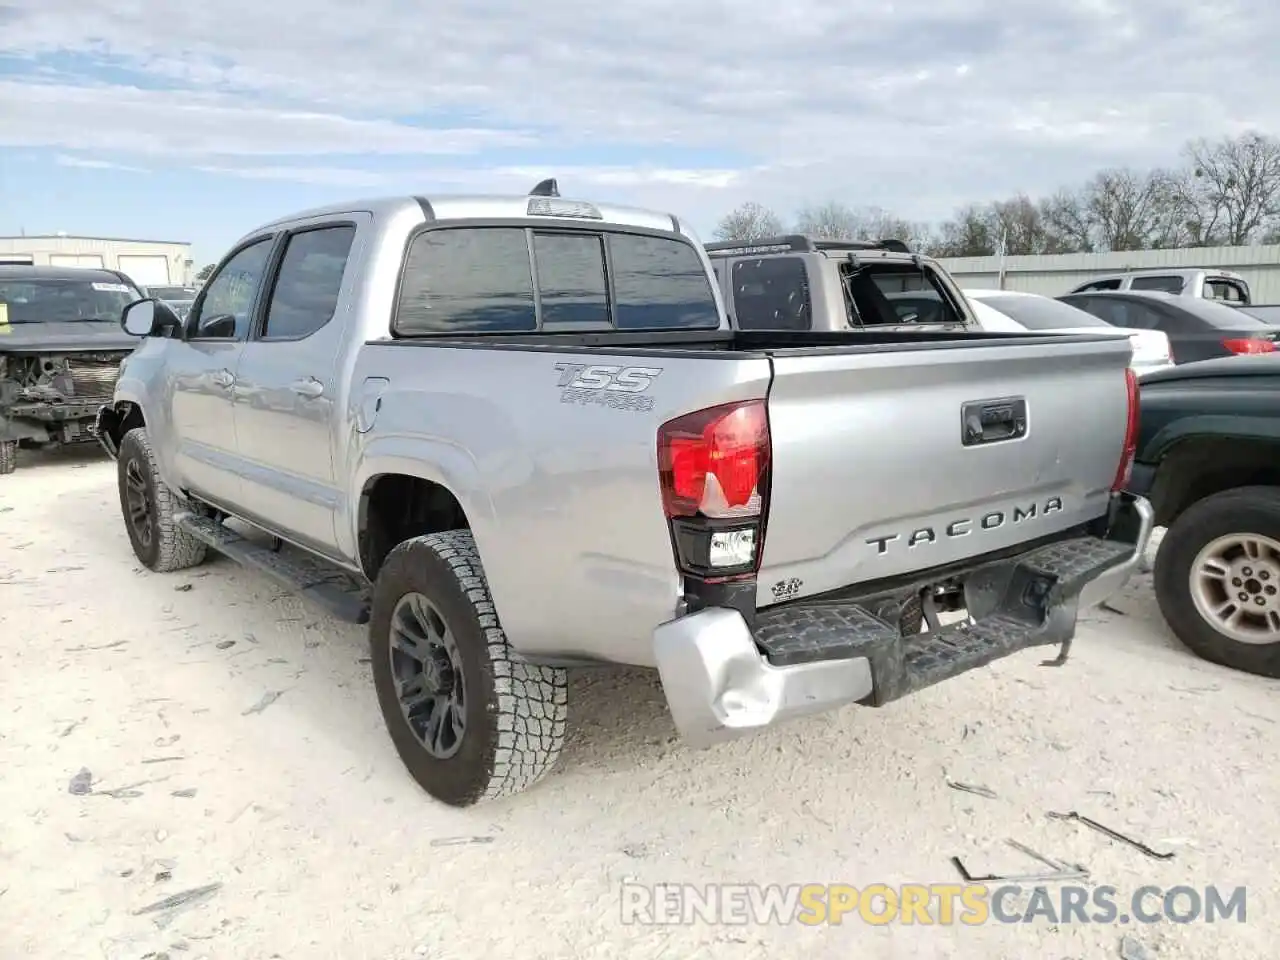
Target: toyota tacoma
<point>518,435</point>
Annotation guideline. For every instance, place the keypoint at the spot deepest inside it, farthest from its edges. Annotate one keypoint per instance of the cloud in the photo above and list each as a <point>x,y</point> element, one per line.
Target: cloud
<point>486,179</point>
<point>89,163</point>
<point>131,120</point>
<point>912,107</point>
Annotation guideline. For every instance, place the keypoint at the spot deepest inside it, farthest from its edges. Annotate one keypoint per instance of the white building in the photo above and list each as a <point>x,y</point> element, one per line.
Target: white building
<point>146,262</point>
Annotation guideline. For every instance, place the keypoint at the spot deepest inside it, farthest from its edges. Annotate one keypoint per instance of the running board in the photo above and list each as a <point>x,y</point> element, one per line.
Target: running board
<point>327,586</point>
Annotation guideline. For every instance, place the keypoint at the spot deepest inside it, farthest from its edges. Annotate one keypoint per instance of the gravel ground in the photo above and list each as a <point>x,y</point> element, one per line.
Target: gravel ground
<point>232,738</point>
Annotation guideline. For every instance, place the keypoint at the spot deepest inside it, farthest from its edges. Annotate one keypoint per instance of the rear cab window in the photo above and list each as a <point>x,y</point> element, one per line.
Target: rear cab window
<point>1168,284</point>
<point>1224,290</point>
<point>771,293</point>
<point>513,279</point>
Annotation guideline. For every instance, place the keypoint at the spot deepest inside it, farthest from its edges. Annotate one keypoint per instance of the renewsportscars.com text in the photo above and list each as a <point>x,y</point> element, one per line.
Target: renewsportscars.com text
<point>926,904</point>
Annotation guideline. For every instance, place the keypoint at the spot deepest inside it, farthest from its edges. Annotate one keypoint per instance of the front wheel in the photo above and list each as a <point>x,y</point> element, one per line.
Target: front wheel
<point>470,720</point>
<point>150,509</point>
<point>8,456</point>
<point>1217,579</point>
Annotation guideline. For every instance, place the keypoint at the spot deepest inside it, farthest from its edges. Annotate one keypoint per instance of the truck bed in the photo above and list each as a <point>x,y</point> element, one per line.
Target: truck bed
<point>871,477</point>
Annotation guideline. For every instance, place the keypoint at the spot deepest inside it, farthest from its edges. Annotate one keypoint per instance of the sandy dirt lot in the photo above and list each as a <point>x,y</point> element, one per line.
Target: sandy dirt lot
<point>232,738</point>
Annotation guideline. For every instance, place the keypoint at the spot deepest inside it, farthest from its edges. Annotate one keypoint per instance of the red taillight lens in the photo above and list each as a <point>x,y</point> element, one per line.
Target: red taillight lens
<point>1130,451</point>
<point>1249,345</point>
<point>715,461</point>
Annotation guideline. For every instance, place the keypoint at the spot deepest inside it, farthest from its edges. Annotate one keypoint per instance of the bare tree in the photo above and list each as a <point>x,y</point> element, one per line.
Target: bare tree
<point>1227,193</point>
<point>970,233</point>
<point>1067,223</point>
<point>1129,210</point>
<point>751,221</point>
<point>1019,223</point>
<point>829,221</point>
<point>1232,187</point>
<point>835,221</point>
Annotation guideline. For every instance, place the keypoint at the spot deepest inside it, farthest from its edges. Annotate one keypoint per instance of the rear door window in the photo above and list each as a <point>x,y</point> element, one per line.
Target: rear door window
<point>1112,284</point>
<point>308,282</point>
<point>1163,284</point>
<point>772,293</point>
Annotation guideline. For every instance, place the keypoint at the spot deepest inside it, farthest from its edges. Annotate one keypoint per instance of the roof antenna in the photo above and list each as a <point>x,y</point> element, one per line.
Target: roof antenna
<point>547,188</point>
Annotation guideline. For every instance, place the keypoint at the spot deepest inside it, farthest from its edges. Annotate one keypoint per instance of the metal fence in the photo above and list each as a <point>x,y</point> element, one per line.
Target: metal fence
<point>1057,274</point>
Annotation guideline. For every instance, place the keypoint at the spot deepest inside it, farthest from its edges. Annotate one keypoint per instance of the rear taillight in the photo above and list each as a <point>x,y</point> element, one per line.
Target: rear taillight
<point>713,467</point>
<point>1130,450</point>
<point>1249,345</point>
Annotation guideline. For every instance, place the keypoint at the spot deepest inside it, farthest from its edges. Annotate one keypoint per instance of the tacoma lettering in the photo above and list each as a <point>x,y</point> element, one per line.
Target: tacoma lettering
<point>964,526</point>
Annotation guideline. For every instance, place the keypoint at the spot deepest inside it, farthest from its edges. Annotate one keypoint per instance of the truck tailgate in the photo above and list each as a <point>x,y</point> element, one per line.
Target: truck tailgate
<point>877,471</point>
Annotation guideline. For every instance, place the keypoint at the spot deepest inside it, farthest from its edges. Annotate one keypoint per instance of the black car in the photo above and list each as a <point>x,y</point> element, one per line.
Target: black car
<point>1197,329</point>
<point>1208,459</point>
<point>60,352</point>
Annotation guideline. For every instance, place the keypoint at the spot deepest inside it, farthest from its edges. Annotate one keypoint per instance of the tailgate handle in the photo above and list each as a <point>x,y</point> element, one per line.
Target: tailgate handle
<point>991,421</point>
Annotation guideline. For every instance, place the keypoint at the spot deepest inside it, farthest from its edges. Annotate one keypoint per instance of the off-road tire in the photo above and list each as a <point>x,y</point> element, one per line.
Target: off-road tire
<point>514,711</point>
<point>1242,510</point>
<point>8,456</point>
<point>171,548</point>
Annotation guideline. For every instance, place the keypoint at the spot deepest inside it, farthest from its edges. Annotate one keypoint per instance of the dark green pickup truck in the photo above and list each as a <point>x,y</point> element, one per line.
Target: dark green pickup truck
<point>1209,461</point>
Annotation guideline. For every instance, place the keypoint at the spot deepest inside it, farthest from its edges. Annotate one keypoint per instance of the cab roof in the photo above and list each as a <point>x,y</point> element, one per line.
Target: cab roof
<point>445,207</point>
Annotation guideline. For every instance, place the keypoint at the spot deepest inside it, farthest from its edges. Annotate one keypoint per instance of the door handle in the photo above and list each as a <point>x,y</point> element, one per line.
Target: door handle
<point>309,387</point>
<point>223,378</point>
<point>991,421</point>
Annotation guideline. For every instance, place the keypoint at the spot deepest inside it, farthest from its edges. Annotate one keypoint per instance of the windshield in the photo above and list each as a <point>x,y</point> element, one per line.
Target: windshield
<point>61,300</point>
<point>1039,313</point>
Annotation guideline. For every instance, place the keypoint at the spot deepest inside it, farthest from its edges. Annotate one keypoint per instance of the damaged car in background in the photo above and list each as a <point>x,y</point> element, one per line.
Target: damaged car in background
<point>60,352</point>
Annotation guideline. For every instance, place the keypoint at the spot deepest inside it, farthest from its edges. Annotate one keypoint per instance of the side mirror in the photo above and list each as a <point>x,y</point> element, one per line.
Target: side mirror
<point>148,318</point>
<point>221,326</point>
<point>139,318</point>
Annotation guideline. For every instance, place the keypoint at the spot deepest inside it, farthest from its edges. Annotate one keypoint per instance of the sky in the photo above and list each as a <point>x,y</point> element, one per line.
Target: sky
<point>154,120</point>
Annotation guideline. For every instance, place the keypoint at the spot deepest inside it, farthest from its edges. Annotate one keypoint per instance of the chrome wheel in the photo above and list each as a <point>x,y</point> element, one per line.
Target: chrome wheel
<point>427,670</point>
<point>1235,585</point>
<point>138,503</point>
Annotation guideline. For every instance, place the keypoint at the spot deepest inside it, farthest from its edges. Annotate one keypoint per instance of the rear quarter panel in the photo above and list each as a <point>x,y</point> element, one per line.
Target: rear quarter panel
<point>561,492</point>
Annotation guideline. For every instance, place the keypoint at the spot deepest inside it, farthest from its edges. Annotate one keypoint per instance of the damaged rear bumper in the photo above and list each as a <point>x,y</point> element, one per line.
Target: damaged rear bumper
<point>722,679</point>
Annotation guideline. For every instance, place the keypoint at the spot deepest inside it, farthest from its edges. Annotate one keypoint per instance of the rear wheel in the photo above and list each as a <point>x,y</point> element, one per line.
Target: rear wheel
<point>470,720</point>
<point>8,456</point>
<point>1217,579</point>
<point>150,509</point>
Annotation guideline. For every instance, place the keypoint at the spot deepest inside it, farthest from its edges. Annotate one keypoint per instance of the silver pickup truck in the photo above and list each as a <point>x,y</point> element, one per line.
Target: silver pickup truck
<point>517,435</point>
